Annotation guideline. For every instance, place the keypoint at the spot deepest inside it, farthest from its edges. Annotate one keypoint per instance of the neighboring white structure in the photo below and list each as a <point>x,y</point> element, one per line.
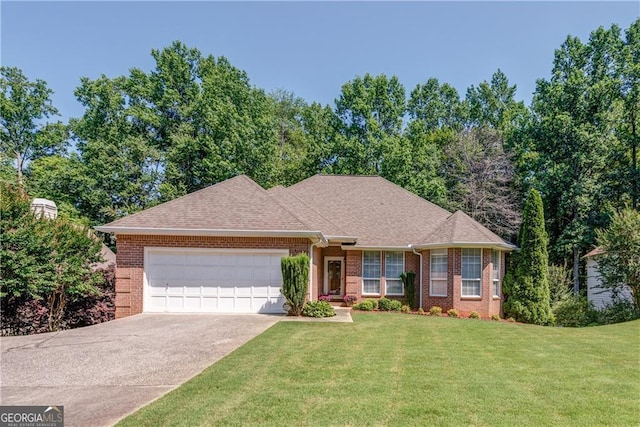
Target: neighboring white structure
<point>44,208</point>
<point>600,297</point>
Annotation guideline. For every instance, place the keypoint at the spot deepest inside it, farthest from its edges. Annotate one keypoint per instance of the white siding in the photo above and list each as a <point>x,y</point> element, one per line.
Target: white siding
<point>598,296</point>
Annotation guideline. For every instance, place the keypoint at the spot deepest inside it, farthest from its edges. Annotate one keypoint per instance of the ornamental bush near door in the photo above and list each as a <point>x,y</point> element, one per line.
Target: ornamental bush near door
<point>295,280</point>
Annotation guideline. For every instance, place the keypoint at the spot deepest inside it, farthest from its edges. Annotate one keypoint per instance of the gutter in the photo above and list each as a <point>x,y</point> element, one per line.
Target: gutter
<point>210,232</point>
<point>420,255</point>
<point>322,240</point>
<point>500,246</point>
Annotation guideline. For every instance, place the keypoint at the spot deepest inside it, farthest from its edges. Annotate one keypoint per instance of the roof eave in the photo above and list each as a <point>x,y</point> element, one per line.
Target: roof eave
<point>493,245</point>
<point>210,232</point>
<point>375,248</point>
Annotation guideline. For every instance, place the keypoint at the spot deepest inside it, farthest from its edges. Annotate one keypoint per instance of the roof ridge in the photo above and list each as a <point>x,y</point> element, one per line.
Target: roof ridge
<point>438,228</point>
<point>208,187</point>
<point>480,227</point>
<point>282,205</point>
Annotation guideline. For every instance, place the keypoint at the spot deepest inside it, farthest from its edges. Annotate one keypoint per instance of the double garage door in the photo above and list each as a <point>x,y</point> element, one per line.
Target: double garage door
<point>213,280</point>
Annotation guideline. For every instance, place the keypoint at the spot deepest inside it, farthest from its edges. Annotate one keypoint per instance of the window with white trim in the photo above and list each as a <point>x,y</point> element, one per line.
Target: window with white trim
<point>439,269</point>
<point>471,272</point>
<point>496,273</point>
<point>393,268</point>
<point>371,272</point>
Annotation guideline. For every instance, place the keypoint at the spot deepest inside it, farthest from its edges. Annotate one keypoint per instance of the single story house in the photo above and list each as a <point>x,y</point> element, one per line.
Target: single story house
<point>598,296</point>
<point>219,249</point>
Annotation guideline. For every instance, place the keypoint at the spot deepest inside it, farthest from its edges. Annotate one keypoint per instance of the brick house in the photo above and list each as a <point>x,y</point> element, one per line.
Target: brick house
<point>218,249</point>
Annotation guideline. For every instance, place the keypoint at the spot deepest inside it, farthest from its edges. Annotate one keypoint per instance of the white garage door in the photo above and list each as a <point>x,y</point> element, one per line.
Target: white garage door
<point>213,281</point>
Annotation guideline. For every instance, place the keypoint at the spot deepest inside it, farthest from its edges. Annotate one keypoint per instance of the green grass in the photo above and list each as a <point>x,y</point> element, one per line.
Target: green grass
<point>395,369</point>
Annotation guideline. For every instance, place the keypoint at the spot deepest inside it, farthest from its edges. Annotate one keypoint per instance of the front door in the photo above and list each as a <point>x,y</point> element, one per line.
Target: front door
<point>333,276</point>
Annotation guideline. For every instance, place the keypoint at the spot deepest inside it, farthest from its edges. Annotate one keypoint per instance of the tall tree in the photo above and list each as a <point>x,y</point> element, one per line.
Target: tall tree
<point>436,106</point>
<point>24,107</point>
<point>528,298</point>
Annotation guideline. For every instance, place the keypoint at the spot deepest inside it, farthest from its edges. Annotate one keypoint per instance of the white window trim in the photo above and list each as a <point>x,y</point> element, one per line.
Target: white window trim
<point>462,279</point>
<point>494,280</point>
<point>446,254</point>
<point>379,279</point>
<point>393,278</point>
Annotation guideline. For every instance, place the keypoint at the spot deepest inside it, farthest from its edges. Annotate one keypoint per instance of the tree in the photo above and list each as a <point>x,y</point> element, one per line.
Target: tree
<point>43,259</point>
<point>295,282</point>
<point>527,290</point>
<point>23,106</point>
<point>619,264</point>
<point>436,106</point>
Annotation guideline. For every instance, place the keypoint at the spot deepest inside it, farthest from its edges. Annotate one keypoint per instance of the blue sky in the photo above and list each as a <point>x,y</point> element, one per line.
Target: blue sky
<point>310,48</point>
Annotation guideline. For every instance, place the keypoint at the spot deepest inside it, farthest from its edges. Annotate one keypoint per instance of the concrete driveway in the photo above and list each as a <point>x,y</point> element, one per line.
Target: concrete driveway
<point>104,372</point>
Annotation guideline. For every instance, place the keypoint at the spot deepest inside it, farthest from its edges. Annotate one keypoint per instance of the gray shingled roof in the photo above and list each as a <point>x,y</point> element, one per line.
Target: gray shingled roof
<point>371,209</point>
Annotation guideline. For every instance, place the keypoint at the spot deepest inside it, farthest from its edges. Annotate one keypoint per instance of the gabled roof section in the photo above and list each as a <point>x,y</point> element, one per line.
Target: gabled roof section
<point>460,229</point>
<point>376,211</point>
<point>234,204</point>
<point>595,252</point>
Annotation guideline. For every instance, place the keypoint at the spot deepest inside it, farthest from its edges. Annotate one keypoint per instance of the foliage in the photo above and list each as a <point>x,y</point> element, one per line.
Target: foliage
<point>395,305</point>
<point>528,289</point>
<point>405,309</point>
<point>48,260</point>
<point>384,304</point>
<point>349,300</point>
<point>619,264</point>
<point>409,281</point>
<point>24,105</point>
<point>366,305</point>
<point>560,284</point>
<point>295,282</point>
<point>452,312</point>
<point>495,317</point>
<point>318,309</point>
<point>474,315</point>
<point>435,311</point>
<point>324,297</point>
<point>575,311</point>
<point>421,310</point>
<point>617,312</point>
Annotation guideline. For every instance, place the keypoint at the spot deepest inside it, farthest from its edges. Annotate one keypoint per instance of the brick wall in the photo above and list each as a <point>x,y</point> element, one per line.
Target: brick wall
<point>130,259</point>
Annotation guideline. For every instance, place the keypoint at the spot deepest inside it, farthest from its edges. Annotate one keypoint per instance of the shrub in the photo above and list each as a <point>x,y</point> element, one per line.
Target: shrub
<point>495,317</point>
<point>409,281</point>
<point>452,312</point>
<point>395,305</point>
<point>366,305</point>
<point>511,319</point>
<point>318,309</point>
<point>295,280</point>
<point>384,304</point>
<point>575,312</point>
<point>474,315</point>
<point>421,310</point>
<point>405,309</point>
<point>435,311</point>
<point>349,300</point>
<point>619,311</point>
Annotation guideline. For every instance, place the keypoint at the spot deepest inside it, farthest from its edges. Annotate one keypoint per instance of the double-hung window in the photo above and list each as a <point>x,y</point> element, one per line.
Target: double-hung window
<point>496,273</point>
<point>471,272</point>
<point>393,268</point>
<point>438,273</point>
<point>371,271</point>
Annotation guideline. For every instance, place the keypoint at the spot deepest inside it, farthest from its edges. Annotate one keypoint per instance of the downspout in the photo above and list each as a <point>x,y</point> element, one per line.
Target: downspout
<point>420,255</point>
<point>311,246</point>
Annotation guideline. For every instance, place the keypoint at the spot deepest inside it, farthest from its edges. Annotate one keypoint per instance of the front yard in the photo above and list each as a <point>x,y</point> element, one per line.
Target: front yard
<point>395,369</point>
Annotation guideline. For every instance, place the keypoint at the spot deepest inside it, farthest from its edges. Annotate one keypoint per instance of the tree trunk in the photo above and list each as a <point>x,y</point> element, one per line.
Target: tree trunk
<point>19,166</point>
<point>576,271</point>
<point>634,161</point>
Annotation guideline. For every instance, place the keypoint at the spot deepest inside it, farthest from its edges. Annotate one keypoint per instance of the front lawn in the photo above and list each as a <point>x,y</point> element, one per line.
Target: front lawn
<point>396,369</point>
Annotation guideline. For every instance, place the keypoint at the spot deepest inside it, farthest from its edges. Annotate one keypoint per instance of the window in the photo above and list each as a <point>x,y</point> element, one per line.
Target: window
<point>496,273</point>
<point>371,271</point>
<point>438,273</point>
<point>471,272</point>
<point>393,268</point>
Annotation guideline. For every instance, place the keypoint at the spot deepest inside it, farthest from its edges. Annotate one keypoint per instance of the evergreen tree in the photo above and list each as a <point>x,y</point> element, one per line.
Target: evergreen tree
<point>528,287</point>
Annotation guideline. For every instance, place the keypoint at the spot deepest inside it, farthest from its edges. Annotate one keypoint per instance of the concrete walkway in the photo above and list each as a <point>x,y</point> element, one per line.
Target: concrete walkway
<point>104,372</point>
<point>343,315</point>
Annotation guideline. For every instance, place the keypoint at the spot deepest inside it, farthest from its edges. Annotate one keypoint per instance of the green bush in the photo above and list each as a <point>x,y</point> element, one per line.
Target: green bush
<point>318,309</point>
<point>474,315</point>
<point>575,312</point>
<point>395,305</point>
<point>617,312</point>
<point>366,305</point>
<point>409,281</point>
<point>452,312</point>
<point>384,304</point>
<point>435,311</point>
<point>295,280</point>
<point>495,317</point>
<point>405,309</point>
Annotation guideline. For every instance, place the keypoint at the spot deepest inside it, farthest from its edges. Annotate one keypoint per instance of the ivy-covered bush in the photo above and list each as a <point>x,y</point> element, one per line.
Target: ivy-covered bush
<point>318,309</point>
<point>435,311</point>
<point>295,281</point>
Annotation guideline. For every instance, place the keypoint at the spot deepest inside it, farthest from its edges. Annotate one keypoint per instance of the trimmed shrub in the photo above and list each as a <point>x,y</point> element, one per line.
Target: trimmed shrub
<point>575,312</point>
<point>495,317</point>
<point>435,311</point>
<point>421,310</point>
<point>452,312</point>
<point>405,309</point>
<point>395,305</point>
<point>474,315</point>
<point>295,280</point>
<point>409,281</point>
<point>366,305</point>
<point>318,309</point>
<point>384,304</point>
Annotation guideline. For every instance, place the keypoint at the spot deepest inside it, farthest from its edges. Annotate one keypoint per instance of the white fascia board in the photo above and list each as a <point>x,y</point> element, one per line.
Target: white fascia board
<point>210,232</point>
<point>375,248</point>
<point>342,239</point>
<point>499,246</point>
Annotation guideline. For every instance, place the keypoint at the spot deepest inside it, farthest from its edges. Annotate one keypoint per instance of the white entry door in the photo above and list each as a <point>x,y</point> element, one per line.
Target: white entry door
<point>213,280</point>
